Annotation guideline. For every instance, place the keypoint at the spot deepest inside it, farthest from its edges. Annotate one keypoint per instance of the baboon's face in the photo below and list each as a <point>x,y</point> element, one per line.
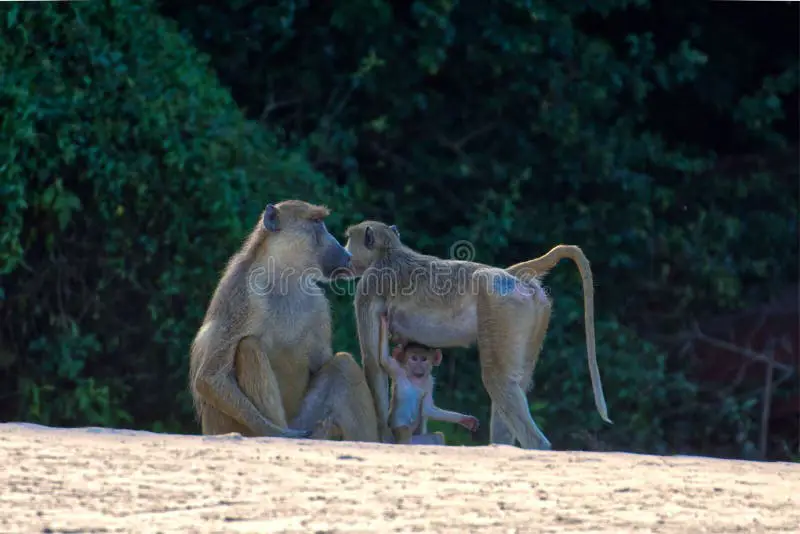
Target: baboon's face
<point>302,240</point>
<point>368,242</point>
<point>419,362</point>
<point>331,257</point>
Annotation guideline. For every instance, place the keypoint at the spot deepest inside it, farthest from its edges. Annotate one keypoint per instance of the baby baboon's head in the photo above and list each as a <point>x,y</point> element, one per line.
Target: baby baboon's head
<point>418,360</point>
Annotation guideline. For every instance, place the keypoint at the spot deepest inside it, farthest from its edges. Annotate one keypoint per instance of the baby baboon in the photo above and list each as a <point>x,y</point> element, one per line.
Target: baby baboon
<point>262,364</point>
<point>412,402</point>
<point>452,303</point>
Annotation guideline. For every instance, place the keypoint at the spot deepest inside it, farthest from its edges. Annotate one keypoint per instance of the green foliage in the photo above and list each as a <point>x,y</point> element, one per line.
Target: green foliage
<point>130,176</point>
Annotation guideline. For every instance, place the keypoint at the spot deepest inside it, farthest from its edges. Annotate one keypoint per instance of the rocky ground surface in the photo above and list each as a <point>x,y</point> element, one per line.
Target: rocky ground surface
<point>102,480</point>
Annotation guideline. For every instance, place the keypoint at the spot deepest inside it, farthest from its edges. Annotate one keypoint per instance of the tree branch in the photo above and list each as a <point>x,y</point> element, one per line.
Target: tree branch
<point>272,105</point>
<point>742,351</point>
<point>458,146</point>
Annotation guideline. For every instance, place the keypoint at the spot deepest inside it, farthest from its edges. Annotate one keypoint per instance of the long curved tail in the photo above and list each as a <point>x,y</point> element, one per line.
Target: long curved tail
<point>539,267</point>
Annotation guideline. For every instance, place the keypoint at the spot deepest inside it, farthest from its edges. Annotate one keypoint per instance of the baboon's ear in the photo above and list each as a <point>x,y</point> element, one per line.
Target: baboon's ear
<point>437,358</point>
<point>369,238</point>
<point>271,218</point>
<point>394,229</point>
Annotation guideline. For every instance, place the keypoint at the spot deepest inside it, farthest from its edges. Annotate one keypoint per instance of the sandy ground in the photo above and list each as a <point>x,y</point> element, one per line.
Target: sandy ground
<point>99,480</point>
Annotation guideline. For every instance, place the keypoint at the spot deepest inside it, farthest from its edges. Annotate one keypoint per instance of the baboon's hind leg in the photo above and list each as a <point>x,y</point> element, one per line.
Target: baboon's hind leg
<point>513,409</point>
<point>535,344</point>
<point>257,380</point>
<point>214,422</point>
<point>339,392</point>
<point>499,431</point>
<point>316,411</point>
<point>354,409</point>
<point>504,335</point>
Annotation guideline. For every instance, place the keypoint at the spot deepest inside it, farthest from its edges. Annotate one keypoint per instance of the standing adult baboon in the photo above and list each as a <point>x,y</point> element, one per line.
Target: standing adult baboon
<point>262,364</point>
<point>452,303</point>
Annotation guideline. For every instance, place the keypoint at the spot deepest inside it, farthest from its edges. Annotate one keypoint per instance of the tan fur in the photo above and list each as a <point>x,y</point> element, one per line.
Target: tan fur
<point>261,364</point>
<point>505,314</point>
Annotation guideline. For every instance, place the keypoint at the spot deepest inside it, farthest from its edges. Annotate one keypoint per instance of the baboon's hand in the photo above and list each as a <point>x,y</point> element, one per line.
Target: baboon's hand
<point>470,423</point>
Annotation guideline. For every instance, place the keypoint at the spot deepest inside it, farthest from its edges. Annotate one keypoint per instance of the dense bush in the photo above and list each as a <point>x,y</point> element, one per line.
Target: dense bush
<point>128,178</point>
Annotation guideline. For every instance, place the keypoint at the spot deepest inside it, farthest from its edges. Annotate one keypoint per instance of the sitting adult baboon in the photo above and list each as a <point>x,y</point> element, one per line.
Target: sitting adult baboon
<point>261,364</point>
<point>452,303</point>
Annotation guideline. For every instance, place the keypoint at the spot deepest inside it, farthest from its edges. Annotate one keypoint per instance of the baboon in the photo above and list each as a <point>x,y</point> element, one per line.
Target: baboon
<point>261,364</point>
<point>453,303</point>
<point>412,401</point>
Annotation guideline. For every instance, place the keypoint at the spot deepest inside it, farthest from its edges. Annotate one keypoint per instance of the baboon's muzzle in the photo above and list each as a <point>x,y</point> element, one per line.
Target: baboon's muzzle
<point>336,262</point>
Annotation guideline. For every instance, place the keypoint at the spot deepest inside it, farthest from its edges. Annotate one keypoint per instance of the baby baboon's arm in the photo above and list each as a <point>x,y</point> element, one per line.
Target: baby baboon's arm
<point>431,411</point>
<point>391,365</point>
